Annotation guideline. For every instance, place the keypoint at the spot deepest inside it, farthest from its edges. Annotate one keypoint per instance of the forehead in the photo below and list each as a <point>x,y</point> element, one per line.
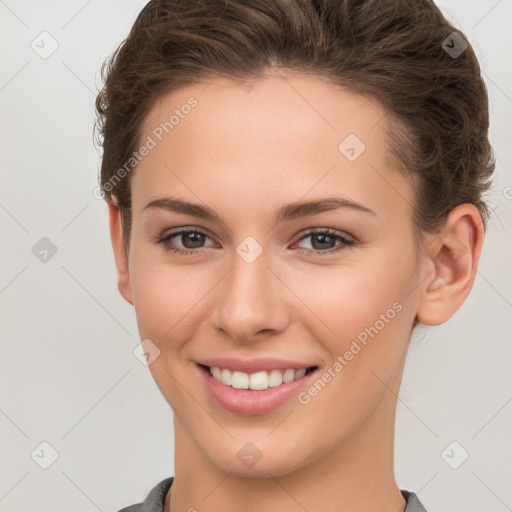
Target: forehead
<point>295,102</point>
<point>280,137</point>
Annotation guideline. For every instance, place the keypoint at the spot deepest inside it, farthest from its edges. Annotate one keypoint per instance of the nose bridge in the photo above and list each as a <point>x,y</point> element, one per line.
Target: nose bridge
<point>250,298</point>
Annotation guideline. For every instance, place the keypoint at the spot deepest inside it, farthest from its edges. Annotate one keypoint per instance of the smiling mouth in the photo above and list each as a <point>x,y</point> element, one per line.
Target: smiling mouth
<point>256,381</point>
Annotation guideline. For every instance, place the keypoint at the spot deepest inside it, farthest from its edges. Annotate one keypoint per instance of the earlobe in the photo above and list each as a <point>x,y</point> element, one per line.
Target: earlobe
<point>121,260</point>
<point>454,256</point>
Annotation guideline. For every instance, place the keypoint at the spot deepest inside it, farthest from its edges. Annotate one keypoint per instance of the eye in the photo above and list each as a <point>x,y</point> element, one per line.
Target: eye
<point>323,241</point>
<point>191,238</point>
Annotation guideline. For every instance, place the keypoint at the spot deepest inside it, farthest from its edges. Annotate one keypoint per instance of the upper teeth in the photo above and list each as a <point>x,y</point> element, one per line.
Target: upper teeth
<point>256,381</point>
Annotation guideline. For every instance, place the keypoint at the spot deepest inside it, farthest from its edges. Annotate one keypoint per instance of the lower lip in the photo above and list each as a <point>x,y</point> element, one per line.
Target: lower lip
<point>248,401</point>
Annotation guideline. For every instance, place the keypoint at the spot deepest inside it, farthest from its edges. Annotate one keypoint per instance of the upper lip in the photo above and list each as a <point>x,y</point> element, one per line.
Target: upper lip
<point>253,365</point>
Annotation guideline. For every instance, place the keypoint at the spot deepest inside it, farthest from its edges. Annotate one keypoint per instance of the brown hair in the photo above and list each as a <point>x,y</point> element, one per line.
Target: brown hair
<point>393,51</point>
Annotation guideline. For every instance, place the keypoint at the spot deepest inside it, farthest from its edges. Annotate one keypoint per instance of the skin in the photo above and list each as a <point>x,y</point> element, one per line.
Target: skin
<point>244,152</point>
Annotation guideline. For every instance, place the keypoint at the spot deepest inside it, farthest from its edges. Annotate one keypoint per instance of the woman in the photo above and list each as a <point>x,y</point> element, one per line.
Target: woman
<point>292,186</point>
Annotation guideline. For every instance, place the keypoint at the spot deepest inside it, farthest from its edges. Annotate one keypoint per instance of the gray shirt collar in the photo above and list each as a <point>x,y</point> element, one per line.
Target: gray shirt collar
<point>155,500</point>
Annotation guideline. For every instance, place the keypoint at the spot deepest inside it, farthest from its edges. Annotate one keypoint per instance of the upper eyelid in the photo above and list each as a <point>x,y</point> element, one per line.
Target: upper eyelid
<point>187,229</point>
<point>330,231</point>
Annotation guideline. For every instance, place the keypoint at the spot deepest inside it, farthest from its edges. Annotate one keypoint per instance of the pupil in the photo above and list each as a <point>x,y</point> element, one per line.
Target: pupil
<point>325,239</point>
<point>197,239</point>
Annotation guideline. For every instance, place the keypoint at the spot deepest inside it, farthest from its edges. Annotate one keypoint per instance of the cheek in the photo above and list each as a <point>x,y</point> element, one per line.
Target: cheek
<point>365,306</point>
<point>354,296</point>
<point>164,297</point>
<point>167,300</point>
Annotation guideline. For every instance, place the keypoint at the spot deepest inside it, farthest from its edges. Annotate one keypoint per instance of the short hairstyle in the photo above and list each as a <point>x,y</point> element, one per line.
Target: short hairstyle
<point>395,52</point>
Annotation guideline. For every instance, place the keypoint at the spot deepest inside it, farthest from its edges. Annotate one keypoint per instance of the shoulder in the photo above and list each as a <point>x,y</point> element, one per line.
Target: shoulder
<point>413,502</point>
<point>154,501</point>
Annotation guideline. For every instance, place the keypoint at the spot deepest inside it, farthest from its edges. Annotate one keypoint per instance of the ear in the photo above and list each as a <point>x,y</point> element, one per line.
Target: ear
<point>453,256</point>
<point>116,235</point>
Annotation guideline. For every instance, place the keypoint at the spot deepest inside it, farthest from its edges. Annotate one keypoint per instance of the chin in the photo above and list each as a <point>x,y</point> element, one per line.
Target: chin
<point>259,459</point>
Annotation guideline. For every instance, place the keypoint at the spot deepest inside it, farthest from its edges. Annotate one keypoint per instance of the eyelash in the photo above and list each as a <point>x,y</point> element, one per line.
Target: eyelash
<point>346,242</point>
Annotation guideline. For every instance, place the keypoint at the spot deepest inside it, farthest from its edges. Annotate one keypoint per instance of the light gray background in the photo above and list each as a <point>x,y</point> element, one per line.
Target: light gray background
<point>68,373</point>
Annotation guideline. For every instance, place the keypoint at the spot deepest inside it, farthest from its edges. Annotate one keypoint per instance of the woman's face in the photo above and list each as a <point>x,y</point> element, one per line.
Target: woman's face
<point>263,287</point>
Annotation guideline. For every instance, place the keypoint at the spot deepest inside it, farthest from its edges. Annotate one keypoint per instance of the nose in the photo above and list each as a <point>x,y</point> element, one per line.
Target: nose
<point>251,301</point>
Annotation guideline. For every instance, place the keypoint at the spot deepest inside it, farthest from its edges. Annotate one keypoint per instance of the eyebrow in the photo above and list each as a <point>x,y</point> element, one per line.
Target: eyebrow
<point>287,212</point>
